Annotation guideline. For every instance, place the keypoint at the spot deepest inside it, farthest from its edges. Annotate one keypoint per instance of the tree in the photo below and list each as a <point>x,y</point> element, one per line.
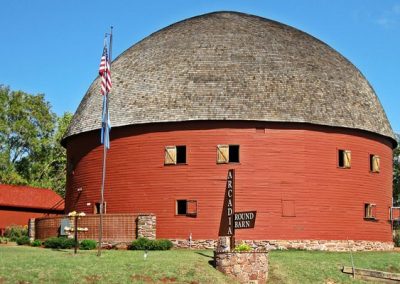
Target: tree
<point>30,134</point>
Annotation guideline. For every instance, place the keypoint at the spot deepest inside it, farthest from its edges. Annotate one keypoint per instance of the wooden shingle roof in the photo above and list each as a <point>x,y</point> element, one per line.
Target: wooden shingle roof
<point>30,197</point>
<point>234,66</point>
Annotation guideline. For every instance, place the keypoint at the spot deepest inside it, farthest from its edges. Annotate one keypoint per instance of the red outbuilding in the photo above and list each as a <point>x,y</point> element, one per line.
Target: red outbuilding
<point>20,203</point>
<point>302,127</point>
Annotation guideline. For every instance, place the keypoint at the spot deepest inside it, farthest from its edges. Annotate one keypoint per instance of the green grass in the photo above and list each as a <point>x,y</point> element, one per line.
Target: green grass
<point>324,267</point>
<point>36,265</point>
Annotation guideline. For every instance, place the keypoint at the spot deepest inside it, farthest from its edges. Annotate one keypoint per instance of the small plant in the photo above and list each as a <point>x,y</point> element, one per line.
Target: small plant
<point>14,232</point>
<point>396,239</point>
<point>23,241</point>
<point>146,244</point>
<point>59,243</point>
<point>243,247</point>
<point>36,243</point>
<point>87,245</point>
<point>3,240</point>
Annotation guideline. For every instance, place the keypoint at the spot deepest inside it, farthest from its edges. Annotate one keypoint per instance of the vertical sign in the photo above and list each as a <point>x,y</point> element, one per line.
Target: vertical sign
<point>227,225</point>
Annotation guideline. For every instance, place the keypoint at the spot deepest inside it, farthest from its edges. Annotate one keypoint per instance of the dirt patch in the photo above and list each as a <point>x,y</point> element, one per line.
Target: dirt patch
<point>330,281</point>
<point>168,280</point>
<point>92,279</point>
<point>143,278</point>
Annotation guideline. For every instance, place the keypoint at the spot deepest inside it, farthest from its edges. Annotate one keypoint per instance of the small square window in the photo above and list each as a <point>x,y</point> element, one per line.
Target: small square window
<point>374,163</point>
<point>227,154</point>
<point>175,155</point>
<point>344,159</point>
<point>181,154</point>
<point>233,153</point>
<point>370,211</point>
<point>96,208</point>
<point>186,207</point>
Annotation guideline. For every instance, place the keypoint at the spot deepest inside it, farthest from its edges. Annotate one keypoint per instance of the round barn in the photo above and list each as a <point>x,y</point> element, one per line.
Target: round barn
<point>304,130</point>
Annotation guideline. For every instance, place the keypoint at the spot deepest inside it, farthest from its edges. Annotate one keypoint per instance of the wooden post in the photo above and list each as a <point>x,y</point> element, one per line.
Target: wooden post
<point>76,233</point>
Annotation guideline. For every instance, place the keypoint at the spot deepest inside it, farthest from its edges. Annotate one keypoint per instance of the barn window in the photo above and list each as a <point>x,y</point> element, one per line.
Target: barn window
<point>186,207</point>
<point>374,163</point>
<point>344,159</point>
<point>227,154</point>
<point>175,155</point>
<point>370,211</point>
<point>96,208</point>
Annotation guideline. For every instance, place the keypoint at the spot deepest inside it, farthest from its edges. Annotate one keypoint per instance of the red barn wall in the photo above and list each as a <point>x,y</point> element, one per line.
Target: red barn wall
<point>278,163</point>
<point>9,217</point>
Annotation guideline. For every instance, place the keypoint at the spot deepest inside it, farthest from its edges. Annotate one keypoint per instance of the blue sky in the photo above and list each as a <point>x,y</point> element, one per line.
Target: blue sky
<point>54,47</point>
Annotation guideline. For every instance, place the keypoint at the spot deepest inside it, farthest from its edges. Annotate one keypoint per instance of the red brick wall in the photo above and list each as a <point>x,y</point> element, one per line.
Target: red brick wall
<point>278,162</point>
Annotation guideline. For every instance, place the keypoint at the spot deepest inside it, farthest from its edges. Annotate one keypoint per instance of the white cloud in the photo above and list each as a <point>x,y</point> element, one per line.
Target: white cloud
<point>389,18</point>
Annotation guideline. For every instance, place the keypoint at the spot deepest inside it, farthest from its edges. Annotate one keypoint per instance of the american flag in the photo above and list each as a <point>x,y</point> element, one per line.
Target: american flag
<point>105,73</point>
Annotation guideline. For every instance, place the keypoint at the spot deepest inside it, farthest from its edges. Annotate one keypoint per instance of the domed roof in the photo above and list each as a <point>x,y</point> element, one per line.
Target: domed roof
<point>233,66</point>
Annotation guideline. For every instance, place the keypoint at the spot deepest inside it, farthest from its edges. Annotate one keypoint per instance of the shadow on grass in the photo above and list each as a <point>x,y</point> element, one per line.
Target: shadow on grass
<point>210,262</point>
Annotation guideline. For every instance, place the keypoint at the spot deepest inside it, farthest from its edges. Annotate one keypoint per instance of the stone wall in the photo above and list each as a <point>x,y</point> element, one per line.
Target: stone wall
<point>246,267</point>
<point>323,245</point>
<point>195,244</point>
<point>31,229</point>
<point>146,226</point>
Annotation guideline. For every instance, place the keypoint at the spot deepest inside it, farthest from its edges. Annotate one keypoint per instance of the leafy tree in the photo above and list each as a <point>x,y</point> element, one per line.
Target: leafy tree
<point>30,134</point>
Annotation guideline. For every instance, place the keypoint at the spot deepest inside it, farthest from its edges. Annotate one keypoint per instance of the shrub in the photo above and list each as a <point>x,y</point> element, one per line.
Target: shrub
<point>36,243</point>
<point>3,240</point>
<point>397,239</point>
<point>24,240</point>
<point>146,244</point>
<point>162,244</point>
<point>243,247</point>
<point>15,232</point>
<point>59,243</point>
<point>88,244</point>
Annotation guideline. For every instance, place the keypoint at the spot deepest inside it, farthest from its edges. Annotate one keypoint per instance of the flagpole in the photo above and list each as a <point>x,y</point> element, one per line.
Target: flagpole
<point>105,133</point>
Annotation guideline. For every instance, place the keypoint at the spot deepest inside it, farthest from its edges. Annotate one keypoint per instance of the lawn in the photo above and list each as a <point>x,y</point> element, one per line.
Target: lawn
<point>324,267</point>
<point>20,264</point>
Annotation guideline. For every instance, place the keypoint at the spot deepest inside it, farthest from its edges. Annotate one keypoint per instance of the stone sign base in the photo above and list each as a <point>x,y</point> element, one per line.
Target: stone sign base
<point>246,267</point>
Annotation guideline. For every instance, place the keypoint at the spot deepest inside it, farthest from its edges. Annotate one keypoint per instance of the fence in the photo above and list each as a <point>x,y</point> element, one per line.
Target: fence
<point>116,227</point>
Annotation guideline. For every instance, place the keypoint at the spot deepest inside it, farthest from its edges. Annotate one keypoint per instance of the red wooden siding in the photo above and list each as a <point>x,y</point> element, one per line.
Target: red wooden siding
<point>10,217</point>
<point>285,162</point>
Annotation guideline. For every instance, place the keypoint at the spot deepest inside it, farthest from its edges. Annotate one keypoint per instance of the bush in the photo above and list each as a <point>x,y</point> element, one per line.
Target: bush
<point>396,239</point>
<point>243,247</point>
<point>22,241</point>
<point>162,244</point>
<point>88,244</point>
<point>15,232</point>
<point>36,243</point>
<point>146,244</point>
<point>3,240</point>
<point>59,243</point>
